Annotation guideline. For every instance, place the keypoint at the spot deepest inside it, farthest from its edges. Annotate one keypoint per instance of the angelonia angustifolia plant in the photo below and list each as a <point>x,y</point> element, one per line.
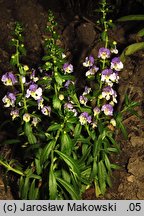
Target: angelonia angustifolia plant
<point>66,137</point>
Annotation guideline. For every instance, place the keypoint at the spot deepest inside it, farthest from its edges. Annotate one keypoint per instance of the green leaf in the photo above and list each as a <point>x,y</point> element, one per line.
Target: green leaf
<point>47,66</point>
<point>10,142</point>
<point>129,50</point>
<point>72,119</point>
<point>22,50</point>
<point>58,79</point>
<point>66,143</point>
<point>136,17</point>
<point>29,133</point>
<point>38,166</point>
<point>95,169</point>
<point>34,176</point>
<point>77,130</point>
<point>108,180</point>
<point>54,127</point>
<point>115,166</point>
<point>13,60</point>
<point>69,188</point>
<point>52,184</point>
<point>104,36</point>
<point>102,176</point>
<point>121,126</point>
<point>46,151</point>
<point>97,188</point>
<point>97,146</point>
<point>69,126</point>
<point>25,188</point>
<point>85,153</point>
<point>32,139</point>
<point>33,192</point>
<point>75,99</point>
<point>56,102</point>
<point>140,33</point>
<point>66,175</point>
<point>107,163</point>
<point>46,58</point>
<point>70,162</point>
<point>112,150</point>
<point>21,183</point>
<point>86,109</point>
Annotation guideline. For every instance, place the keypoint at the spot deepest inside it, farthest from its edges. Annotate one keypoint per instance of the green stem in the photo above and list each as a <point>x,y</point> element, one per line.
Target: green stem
<point>11,168</point>
<point>20,76</point>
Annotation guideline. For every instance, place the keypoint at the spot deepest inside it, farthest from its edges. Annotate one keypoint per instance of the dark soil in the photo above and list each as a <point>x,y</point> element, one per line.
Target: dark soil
<point>79,34</point>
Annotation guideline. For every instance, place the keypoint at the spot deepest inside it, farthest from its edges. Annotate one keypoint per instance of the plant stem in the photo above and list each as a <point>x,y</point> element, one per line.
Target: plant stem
<point>11,168</point>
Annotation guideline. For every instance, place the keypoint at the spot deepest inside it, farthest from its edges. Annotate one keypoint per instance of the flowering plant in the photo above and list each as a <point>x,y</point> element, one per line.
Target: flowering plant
<point>66,136</point>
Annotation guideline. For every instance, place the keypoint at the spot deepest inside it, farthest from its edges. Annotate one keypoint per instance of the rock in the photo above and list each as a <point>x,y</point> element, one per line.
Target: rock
<point>86,33</point>
<point>131,178</point>
<point>137,141</point>
<point>136,167</point>
<point>140,193</point>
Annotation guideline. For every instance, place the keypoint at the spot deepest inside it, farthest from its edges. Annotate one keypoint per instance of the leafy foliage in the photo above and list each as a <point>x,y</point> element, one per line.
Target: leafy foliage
<point>136,46</point>
<point>66,139</point>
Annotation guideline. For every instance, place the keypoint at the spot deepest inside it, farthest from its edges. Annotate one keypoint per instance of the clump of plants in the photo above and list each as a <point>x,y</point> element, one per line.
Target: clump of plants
<point>66,137</point>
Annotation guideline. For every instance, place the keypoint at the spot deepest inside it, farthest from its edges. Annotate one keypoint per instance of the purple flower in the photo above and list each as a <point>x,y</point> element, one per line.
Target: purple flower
<point>74,111</point>
<point>108,109</point>
<point>94,124</point>
<point>34,91</point>
<point>35,121</point>
<point>114,50</point>
<point>107,92</point>
<point>92,71</point>
<point>68,106</point>
<point>107,76</point>
<point>46,110</point>
<point>68,68</point>
<point>68,82</point>
<point>116,64</point>
<point>14,113</point>
<point>9,79</point>
<point>84,118</point>
<point>114,77</point>
<point>96,111</point>
<point>33,77</point>
<point>89,61</point>
<point>107,72</point>
<point>40,103</point>
<point>104,53</point>
<point>9,100</point>
<point>83,99</point>
<point>87,90</point>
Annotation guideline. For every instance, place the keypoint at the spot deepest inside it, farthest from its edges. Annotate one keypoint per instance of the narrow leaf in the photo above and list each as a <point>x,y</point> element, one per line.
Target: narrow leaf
<point>66,143</point>
<point>77,130</point>
<point>129,50</point>
<point>140,33</point>
<point>70,162</point>
<point>25,188</point>
<point>54,127</point>
<point>46,151</point>
<point>52,184</point>
<point>136,17</point>
<point>69,188</point>
<point>102,176</point>
<point>32,192</point>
